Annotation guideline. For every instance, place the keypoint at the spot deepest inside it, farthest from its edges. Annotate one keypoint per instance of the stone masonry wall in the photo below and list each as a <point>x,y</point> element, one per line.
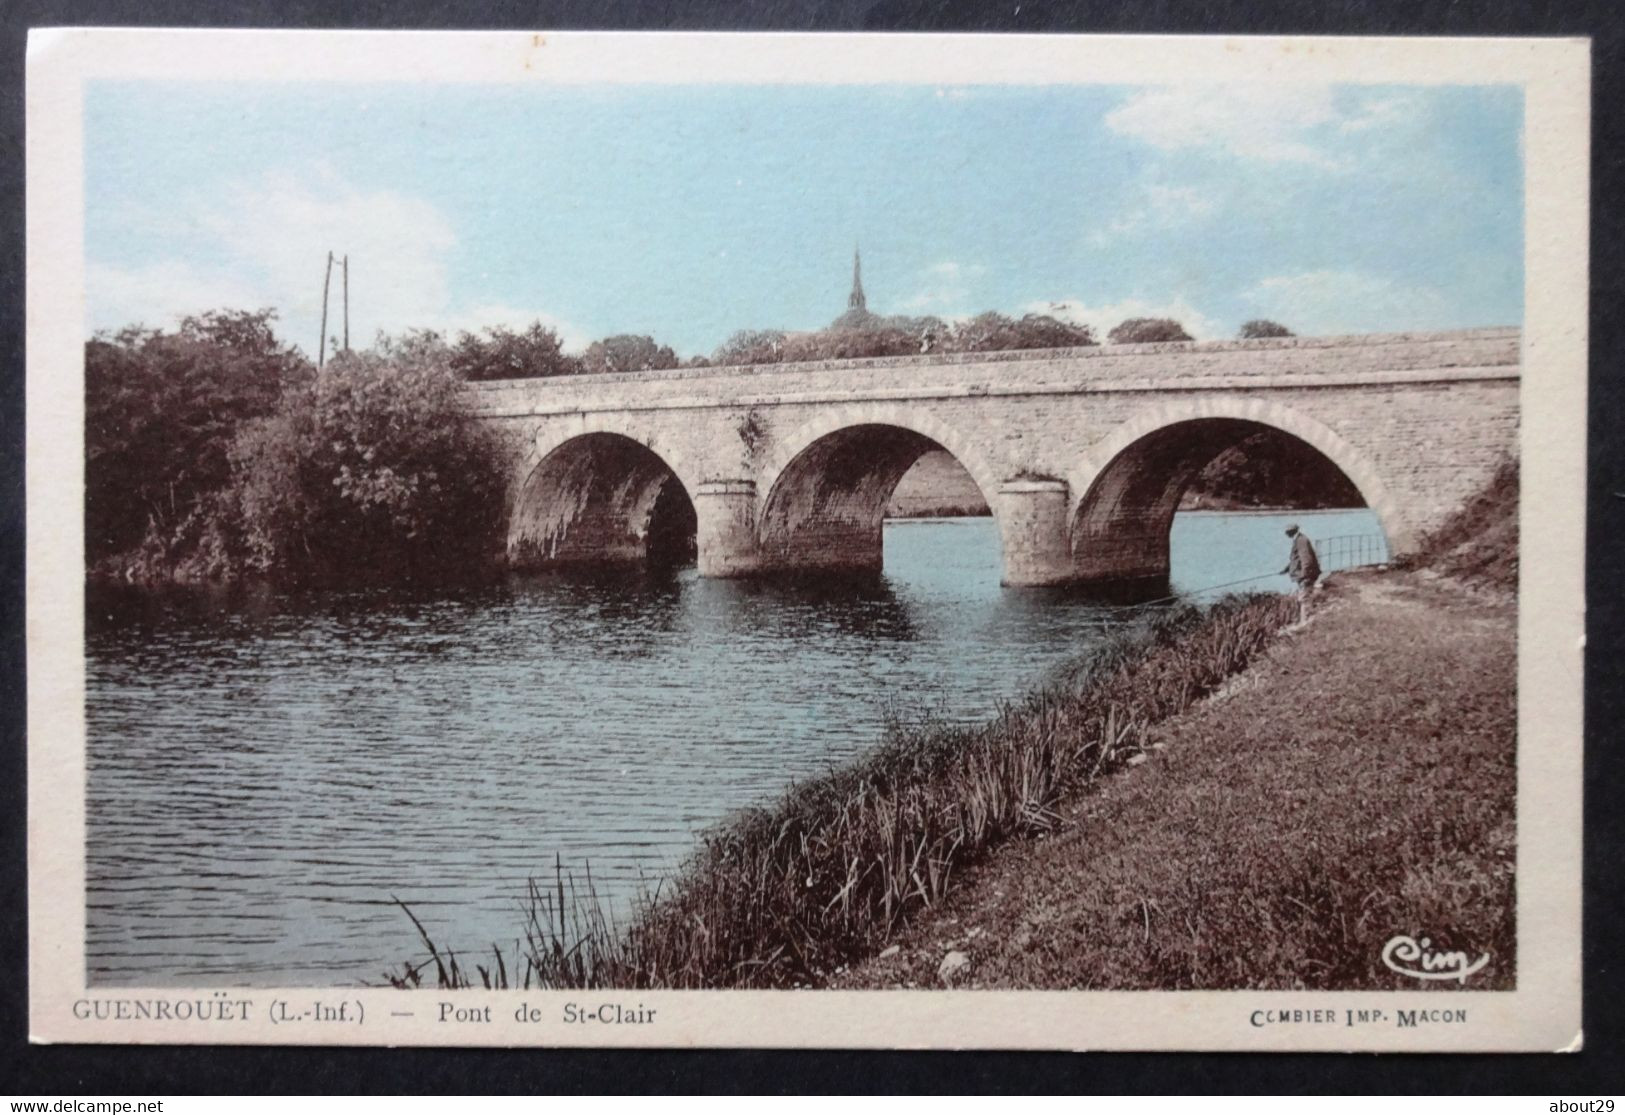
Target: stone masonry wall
<point>1417,421</point>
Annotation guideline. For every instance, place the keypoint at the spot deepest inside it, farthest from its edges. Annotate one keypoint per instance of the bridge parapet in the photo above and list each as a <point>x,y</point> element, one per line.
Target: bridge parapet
<point>1181,366</point>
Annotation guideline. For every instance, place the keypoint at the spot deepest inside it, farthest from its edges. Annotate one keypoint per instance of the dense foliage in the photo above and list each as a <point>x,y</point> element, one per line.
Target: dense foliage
<point>215,451</point>
<point>375,469</point>
<point>161,411</point>
<point>502,353</point>
<point>1272,469</point>
<point>1147,330</point>
<point>1479,543</point>
<point>536,351</point>
<point>627,352</point>
<point>1259,328</point>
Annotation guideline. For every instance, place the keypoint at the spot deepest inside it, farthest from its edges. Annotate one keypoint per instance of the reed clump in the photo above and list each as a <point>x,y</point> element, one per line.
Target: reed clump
<point>784,895</point>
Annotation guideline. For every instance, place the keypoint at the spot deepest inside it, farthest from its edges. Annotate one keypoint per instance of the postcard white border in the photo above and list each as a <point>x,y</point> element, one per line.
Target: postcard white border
<point>1542,1014</point>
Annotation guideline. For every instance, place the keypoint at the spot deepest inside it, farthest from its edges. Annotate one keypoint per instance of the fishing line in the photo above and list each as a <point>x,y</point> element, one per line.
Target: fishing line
<point>1193,592</point>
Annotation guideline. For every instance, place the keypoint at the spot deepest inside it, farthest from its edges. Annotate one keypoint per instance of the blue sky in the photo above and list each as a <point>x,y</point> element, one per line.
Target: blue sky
<point>690,212</point>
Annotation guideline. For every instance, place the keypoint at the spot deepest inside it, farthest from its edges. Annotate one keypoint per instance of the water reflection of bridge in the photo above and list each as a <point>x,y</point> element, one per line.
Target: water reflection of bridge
<point>1081,454</point>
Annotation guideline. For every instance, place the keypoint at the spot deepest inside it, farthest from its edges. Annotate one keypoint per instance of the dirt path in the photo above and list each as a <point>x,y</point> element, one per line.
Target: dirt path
<point>1354,784</point>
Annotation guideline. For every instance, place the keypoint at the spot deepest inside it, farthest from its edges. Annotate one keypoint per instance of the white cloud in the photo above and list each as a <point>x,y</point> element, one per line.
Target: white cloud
<point>1390,112</point>
<point>1102,318</point>
<point>945,288</point>
<point>1283,124</point>
<point>160,293</point>
<point>265,243</point>
<point>1158,209</point>
<point>283,227</point>
<point>1347,301</point>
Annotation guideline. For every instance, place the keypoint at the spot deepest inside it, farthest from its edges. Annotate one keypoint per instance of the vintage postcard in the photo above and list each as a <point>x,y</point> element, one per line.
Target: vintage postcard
<point>806,540</point>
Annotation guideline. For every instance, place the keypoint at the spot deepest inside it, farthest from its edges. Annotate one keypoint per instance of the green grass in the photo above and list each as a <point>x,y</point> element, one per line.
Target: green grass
<point>1358,783</point>
<point>785,895</point>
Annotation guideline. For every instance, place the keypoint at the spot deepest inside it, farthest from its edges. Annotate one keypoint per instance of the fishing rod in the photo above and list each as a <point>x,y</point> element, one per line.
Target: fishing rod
<point>1194,592</point>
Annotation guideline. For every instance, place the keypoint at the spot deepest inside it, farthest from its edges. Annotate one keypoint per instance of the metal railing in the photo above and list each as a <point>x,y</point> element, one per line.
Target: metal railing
<point>1350,551</point>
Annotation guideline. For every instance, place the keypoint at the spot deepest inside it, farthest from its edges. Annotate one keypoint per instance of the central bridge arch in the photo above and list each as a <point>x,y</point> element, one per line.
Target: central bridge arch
<point>829,484</point>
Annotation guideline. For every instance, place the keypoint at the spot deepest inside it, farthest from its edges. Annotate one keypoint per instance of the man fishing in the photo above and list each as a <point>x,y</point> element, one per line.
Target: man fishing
<point>1303,567</point>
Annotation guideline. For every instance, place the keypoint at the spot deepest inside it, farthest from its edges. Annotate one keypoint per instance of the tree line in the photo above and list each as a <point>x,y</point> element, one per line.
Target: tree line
<point>537,351</point>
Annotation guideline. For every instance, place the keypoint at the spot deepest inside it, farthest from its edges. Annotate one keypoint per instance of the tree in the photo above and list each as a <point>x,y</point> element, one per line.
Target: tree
<point>751,346</point>
<point>987,332</point>
<point>1043,331</point>
<point>626,352</point>
<point>501,353</point>
<point>991,332</point>
<point>859,333</point>
<point>376,469</point>
<point>1274,469</point>
<point>1147,330</point>
<point>932,333</point>
<point>832,344</point>
<point>161,410</point>
<point>1259,328</point>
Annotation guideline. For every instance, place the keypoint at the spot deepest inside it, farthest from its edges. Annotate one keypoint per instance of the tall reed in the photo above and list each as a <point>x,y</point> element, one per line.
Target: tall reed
<point>785,894</point>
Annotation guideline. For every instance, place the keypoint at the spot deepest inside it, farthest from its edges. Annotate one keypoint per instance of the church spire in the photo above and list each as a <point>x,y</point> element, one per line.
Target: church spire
<point>855,300</point>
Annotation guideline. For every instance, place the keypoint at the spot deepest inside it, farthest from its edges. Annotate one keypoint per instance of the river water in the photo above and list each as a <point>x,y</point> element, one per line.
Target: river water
<point>267,770</point>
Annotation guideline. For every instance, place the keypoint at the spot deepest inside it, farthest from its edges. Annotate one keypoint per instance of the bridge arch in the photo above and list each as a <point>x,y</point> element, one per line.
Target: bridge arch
<point>826,486</point>
<point>1128,486</point>
<point>596,490</point>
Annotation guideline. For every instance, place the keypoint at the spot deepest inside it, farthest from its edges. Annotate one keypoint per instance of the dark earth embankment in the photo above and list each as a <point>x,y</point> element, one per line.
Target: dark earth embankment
<point>1355,783</point>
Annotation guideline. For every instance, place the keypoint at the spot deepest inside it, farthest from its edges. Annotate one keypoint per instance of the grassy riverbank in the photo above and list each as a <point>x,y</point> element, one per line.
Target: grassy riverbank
<point>1355,783</point>
<point>794,893</point>
<point>1267,830</point>
<point>1213,801</point>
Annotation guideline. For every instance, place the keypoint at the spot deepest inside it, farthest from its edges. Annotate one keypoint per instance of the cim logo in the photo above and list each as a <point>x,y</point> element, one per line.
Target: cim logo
<point>1410,957</point>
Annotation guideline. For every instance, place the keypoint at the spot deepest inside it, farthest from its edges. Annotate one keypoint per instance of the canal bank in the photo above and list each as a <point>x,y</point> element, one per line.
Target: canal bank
<point>1355,783</point>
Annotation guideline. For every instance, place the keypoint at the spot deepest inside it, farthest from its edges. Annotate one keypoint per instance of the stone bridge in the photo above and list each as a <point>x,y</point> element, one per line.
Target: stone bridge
<point>1082,454</point>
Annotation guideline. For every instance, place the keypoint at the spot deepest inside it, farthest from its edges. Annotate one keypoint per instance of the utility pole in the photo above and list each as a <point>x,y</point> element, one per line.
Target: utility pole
<point>346,301</point>
<point>321,348</point>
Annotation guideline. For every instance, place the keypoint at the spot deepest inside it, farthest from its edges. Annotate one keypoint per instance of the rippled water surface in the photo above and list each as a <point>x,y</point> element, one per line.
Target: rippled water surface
<point>266,771</point>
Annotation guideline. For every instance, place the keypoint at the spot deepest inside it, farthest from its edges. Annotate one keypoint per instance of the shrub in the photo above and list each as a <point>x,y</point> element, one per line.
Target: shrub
<point>377,469</point>
<point>1479,543</point>
<point>626,352</point>
<point>858,333</point>
<point>751,346</point>
<point>1259,328</point>
<point>1147,330</point>
<point>997,333</point>
<point>502,353</point>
